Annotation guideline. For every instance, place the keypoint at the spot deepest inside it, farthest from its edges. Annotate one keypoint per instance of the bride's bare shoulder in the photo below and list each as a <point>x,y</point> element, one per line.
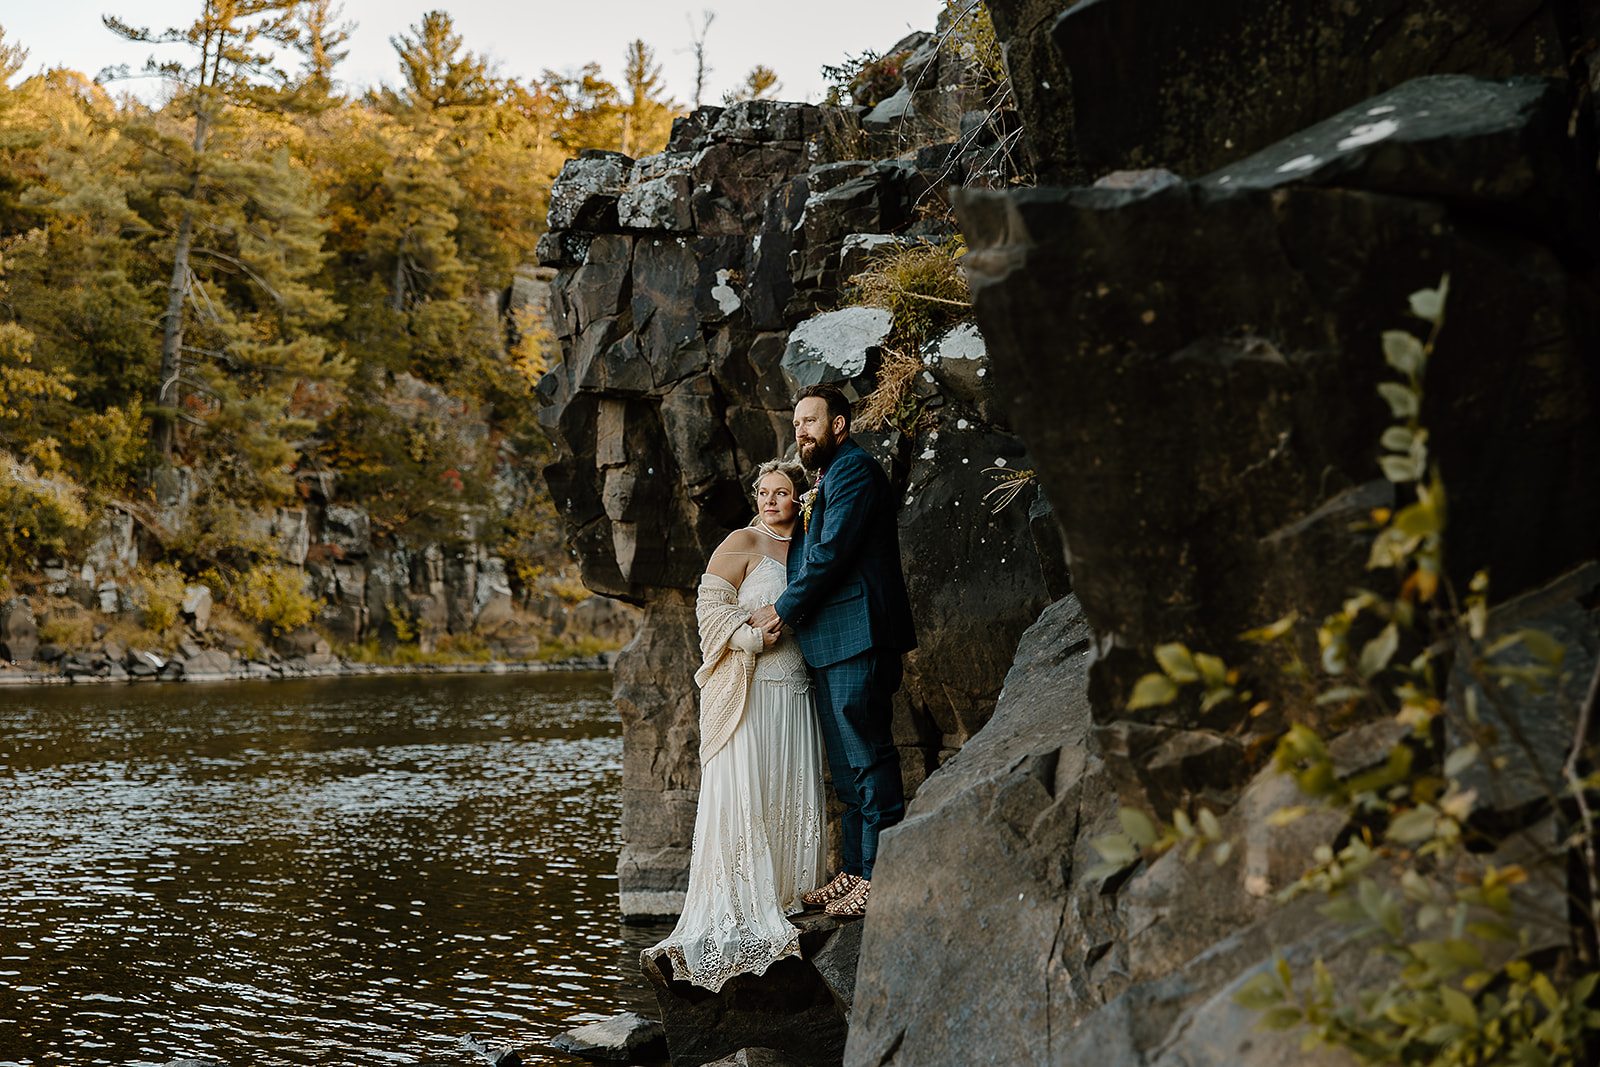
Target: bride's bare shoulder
<point>735,556</point>
<point>741,540</point>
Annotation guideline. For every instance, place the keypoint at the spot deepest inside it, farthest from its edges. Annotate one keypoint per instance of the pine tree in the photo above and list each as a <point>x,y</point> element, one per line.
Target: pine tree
<point>438,74</point>
<point>760,84</point>
<point>318,36</point>
<point>238,224</point>
<point>647,115</point>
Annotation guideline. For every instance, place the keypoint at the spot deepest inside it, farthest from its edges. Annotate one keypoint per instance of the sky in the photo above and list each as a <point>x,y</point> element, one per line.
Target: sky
<point>523,38</point>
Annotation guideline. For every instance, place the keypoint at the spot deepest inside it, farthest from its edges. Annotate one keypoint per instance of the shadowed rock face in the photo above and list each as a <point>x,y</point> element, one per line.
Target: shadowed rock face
<point>1195,370</point>
<point>680,354</point>
<point>1106,85</point>
<point>1192,366</point>
<point>988,942</point>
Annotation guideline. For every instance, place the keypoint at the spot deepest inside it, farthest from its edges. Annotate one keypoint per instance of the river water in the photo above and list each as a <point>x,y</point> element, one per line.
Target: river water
<point>353,871</point>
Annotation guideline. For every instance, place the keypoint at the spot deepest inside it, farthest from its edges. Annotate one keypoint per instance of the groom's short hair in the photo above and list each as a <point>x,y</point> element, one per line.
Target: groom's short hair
<point>833,396</point>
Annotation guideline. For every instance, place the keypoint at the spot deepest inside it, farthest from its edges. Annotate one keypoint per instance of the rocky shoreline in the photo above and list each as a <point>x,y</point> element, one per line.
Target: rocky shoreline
<point>176,670</point>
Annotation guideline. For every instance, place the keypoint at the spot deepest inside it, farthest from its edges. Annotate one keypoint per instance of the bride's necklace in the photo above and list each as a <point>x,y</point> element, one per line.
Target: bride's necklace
<point>768,531</point>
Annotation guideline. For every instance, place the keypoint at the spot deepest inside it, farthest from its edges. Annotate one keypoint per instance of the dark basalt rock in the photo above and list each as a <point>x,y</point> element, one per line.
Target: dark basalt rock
<point>584,194</point>
<point>987,943</point>
<point>1193,88</point>
<point>756,1057</point>
<point>1205,421</point>
<point>792,1009</point>
<point>625,1038</point>
<point>675,382</point>
<point>955,954</point>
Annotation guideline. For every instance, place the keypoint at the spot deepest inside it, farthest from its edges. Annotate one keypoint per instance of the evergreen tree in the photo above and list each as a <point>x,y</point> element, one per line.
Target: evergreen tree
<point>238,224</point>
<point>760,84</point>
<point>438,74</point>
<point>647,115</point>
<point>318,36</point>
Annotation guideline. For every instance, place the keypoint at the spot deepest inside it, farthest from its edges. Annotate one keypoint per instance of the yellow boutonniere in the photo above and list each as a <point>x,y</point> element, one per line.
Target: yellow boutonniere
<point>807,501</point>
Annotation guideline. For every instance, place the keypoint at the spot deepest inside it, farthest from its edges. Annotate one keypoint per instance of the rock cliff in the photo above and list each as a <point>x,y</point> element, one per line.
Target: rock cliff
<point>1191,357</point>
<point>1186,355</point>
<point>697,290</point>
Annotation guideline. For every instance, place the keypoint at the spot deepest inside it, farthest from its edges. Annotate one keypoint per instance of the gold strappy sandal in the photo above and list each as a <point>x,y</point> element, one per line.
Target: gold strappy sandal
<point>841,885</point>
<point>853,905</point>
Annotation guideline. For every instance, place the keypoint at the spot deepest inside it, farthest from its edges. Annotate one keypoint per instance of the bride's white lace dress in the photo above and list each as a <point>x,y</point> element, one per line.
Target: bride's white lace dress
<point>758,832</point>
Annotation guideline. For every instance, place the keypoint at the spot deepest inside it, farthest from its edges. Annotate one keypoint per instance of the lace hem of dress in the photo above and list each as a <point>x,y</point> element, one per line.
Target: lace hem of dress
<point>754,957</point>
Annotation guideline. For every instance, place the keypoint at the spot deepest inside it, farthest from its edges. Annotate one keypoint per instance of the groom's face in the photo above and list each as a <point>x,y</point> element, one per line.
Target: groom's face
<point>813,433</point>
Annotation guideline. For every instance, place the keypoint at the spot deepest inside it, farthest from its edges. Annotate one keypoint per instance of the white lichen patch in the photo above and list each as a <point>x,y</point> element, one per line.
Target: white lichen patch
<point>840,339</point>
<point>1305,162</point>
<point>963,342</point>
<point>1368,133</point>
<point>723,293</point>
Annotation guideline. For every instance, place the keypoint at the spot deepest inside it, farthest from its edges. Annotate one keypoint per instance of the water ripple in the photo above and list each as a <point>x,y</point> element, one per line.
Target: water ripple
<point>310,873</point>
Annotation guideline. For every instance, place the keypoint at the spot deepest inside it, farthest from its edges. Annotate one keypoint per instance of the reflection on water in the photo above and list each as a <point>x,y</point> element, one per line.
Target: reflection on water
<point>344,871</point>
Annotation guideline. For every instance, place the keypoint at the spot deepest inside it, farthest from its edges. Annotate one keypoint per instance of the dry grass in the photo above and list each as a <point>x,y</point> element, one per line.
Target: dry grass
<point>923,285</point>
<point>892,403</point>
<point>68,625</point>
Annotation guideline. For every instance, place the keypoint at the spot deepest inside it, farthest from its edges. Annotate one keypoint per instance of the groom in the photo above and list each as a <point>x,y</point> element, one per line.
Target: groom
<point>847,603</point>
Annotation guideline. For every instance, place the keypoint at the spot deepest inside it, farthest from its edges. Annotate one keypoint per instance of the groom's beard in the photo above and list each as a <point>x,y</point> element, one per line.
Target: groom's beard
<point>815,452</point>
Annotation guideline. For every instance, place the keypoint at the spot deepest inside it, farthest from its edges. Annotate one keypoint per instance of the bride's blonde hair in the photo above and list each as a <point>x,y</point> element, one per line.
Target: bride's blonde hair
<point>790,468</point>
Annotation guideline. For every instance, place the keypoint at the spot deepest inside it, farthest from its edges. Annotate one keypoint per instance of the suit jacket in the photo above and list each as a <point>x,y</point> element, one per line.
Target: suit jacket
<point>846,591</point>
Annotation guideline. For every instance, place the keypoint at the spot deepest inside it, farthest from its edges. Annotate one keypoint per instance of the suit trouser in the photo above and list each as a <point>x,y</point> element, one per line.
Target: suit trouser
<point>854,708</point>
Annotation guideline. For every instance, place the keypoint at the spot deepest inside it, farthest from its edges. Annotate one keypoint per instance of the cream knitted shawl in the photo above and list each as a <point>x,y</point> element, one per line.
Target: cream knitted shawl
<point>726,673</point>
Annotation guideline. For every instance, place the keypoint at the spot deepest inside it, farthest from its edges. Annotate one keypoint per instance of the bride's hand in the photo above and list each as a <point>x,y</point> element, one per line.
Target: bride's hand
<point>769,638</point>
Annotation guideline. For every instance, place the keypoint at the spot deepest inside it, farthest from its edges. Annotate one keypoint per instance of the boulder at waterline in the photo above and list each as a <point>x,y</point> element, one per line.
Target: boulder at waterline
<point>757,1057</point>
<point>19,633</point>
<point>624,1038</point>
<point>791,1008</point>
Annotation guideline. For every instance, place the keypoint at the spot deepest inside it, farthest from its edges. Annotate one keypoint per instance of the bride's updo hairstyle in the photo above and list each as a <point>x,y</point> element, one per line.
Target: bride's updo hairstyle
<point>790,468</point>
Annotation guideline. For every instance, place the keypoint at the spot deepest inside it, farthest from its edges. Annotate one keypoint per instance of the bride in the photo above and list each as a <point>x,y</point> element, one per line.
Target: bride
<point>758,833</point>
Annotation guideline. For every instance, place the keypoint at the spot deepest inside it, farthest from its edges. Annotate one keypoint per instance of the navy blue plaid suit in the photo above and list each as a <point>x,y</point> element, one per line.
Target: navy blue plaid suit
<point>847,602</point>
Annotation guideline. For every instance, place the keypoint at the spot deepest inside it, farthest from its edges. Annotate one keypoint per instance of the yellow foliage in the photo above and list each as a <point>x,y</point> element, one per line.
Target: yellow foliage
<point>275,595</point>
<point>21,385</point>
<point>530,356</point>
<point>37,512</point>
<point>163,586</point>
<point>891,402</point>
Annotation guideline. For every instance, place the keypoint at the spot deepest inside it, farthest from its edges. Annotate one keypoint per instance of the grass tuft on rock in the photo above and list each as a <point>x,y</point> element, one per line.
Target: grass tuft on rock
<point>892,403</point>
<point>922,284</point>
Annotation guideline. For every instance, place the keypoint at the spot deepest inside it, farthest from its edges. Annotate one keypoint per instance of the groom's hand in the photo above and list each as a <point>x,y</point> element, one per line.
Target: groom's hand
<point>766,618</point>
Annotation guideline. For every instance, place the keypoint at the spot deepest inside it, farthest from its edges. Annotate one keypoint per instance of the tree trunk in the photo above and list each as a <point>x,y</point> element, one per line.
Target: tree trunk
<point>167,395</point>
<point>398,300</point>
<point>172,339</point>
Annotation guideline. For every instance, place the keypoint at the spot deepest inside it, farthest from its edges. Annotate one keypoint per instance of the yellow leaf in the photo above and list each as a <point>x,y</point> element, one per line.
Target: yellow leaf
<point>1285,816</point>
<point>1376,654</point>
<point>1212,669</point>
<point>1403,401</point>
<point>1272,631</point>
<point>1137,825</point>
<point>1459,1006</point>
<point>1151,691</point>
<point>1176,661</point>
